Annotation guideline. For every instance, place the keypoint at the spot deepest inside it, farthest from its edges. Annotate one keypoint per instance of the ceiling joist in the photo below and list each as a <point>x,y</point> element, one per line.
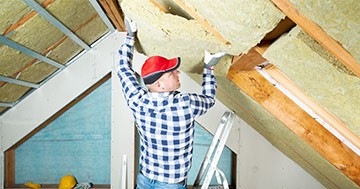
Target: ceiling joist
<point>114,13</point>
<point>319,35</point>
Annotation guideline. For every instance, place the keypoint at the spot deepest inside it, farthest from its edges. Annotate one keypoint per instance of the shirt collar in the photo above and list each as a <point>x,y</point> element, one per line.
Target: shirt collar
<point>161,94</point>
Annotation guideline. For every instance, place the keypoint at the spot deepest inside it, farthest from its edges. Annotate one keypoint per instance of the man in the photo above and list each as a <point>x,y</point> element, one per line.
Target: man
<point>164,116</point>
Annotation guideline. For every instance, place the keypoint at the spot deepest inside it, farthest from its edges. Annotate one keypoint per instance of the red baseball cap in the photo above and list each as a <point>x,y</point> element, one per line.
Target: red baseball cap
<point>155,66</point>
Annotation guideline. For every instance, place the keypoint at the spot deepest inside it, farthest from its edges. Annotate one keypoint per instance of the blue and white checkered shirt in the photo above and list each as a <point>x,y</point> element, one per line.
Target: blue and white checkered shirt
<point>165,121</point>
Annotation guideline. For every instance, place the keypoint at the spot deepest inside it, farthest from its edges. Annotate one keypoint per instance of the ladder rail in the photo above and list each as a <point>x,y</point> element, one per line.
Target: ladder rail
<point>219,140</point>
<point>210,150</point>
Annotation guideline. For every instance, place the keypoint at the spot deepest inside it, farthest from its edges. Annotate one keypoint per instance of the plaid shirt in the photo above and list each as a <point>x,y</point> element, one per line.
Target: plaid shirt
<point>165,121</point>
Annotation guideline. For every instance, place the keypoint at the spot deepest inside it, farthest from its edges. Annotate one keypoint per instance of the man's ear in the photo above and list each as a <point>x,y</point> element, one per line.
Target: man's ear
<point>155,87</point>
<point>157,84</point>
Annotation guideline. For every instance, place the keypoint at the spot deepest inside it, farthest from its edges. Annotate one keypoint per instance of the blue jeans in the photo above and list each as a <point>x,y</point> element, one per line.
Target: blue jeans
<point>146,183</point>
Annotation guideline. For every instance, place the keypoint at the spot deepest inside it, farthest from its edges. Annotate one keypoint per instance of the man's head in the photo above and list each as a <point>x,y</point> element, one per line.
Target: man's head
<point>160,74</point>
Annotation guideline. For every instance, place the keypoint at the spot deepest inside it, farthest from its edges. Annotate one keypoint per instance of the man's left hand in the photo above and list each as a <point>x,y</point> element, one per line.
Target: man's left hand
<point>131,27</point>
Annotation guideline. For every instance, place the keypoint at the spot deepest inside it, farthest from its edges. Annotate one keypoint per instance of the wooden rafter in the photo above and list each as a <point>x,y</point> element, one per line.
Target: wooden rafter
<point>201,20</point>
<point>319,35</point>
<point>114,12</point>
<point>295,118</point>
<point>247,62</point>
<point>328,117</point>
<point>162,8</point>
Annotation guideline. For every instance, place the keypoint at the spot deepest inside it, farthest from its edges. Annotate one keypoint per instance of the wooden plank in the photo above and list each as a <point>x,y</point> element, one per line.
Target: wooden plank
<point>201,20</point>
<point>156,4</point>
<point>112,9</point>
<point>261,48</point>
<point>10,168</point>
<point>298,121</point>
<point>319,35</point>
<point>328,117</point>
<point>246,62</point>
<point>283,26</point>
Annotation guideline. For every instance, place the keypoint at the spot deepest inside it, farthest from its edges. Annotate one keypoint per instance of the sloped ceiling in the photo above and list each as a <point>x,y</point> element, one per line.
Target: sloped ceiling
<point>316,58</point>
<point>327,83</point>
<point>20,24</point>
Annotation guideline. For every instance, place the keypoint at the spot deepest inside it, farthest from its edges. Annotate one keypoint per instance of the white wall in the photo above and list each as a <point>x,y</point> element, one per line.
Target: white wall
<point>260,165</point>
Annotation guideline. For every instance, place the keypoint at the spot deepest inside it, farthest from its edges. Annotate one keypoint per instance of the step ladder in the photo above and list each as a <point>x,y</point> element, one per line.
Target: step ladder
<point>217,145</point>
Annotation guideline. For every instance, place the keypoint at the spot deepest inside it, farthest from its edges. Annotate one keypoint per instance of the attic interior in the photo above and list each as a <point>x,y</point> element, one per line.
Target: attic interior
<point>292,72</point>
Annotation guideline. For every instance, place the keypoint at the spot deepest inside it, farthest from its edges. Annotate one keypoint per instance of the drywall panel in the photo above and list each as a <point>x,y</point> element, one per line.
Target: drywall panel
<point>322,77</point>
<point>122,127</point>
<point>259,159</point>
<point>340,19</point>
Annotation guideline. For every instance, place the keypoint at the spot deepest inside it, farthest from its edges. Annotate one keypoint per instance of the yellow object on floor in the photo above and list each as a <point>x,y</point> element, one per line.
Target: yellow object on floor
<point>32,185</point>
<point>67,182</point>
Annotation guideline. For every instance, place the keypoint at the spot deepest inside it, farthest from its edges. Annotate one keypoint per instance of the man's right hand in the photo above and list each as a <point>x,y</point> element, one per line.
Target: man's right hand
<point>131,27</point>
<point>211,60</point>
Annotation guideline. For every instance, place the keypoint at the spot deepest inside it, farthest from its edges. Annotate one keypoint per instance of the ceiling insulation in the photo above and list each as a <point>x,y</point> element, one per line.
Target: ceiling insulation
<point>331,16</point>
<point>31,30</point>
<point>323,78</point>
<point>173,35</point>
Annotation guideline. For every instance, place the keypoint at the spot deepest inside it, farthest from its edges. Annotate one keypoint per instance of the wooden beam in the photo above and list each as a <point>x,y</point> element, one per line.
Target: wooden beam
<point>10,168</point>
<point>328,117</point>
<point>202,21</point>
<point>156,4</point>
<point>298,121</point>
<point>283,26</point>
<point>319,35</point>
<point>247,62</point>
<point>112,9</point>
